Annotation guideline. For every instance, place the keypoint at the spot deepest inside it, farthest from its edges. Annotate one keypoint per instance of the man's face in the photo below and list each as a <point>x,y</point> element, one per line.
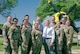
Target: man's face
<point>47,23</point>
<point>67,22</point>
<point>58,24</point>
<point>38,19</point>
<point>9,19</point>
<point>53,19</point>
<point>26,18</point>
<point>63,20</point>
<point>36,25</point>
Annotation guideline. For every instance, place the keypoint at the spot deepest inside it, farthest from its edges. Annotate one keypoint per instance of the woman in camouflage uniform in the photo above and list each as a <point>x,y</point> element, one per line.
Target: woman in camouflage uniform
<point>36,40</point>
<point>14,36</point>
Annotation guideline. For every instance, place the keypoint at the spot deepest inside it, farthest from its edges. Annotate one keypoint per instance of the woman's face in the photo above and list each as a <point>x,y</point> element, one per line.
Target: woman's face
<point>15,22</point>
<point>36,25</point>
<point>24,22</point>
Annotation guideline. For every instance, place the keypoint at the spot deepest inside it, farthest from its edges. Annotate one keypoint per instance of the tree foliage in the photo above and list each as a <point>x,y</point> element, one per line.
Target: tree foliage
<point>45,9</point>
<point>6,6</point>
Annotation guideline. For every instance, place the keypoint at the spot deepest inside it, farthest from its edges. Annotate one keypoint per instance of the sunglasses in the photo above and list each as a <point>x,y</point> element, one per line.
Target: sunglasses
<point>15,21</point>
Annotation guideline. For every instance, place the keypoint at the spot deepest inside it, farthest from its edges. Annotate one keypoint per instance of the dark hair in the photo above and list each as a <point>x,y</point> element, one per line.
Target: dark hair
<point>15,19</point>
<point>26,15</point>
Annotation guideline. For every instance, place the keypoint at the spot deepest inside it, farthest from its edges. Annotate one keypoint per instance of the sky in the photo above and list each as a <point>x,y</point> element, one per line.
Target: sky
<point>26,7</point>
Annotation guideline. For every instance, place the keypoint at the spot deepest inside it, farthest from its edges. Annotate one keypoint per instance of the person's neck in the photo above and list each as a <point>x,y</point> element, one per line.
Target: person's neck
<point>9,21</point>
<point>14,25</point>
<point>48,26</point>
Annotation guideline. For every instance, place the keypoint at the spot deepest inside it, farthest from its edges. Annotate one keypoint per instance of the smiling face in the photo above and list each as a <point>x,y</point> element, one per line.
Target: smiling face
<point>58,24</point>
<point>15,21</point>
<point>68,23</point>
<point>47,23</point>
<point>63,20</point>
<point>9,19</point>
<point>38,20</point>
<point>26,18</point>
<point>53,18</point>
<point>36,25</point>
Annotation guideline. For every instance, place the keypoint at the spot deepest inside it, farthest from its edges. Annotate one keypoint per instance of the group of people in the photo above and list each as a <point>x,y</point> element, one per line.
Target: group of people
<point>56,37</point>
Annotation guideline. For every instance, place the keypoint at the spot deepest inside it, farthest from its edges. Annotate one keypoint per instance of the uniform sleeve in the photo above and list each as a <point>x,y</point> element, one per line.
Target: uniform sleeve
<point>53,36</point>
<point>23,34</point>
<point>4,31</point>
<point>71,30</point>
<point>33,34</point>
<point>10,32</point>
<point>61,35</point>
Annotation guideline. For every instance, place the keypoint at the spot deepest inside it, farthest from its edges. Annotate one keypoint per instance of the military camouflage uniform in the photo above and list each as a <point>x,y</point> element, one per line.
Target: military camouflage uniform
<point>37,41</point>
<point>59,39</point>
<point>64,48</point>
<point>7,46</point>
<point>26,38</point>
<point>14,37</point>
<point>69,35</point>
<point>53,24</point>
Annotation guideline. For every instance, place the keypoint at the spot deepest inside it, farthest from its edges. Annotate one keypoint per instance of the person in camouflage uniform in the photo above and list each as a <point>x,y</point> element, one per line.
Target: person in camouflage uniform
<point>29,27</point>
<point>14,36</point>
<point>36,39</point>
<point>40,26</point>
<point>53,23</point>
<point>64,48</point>
<point>59,38</point>
<point>5,29</point>
<point>69,35</point>
<point>25,37</point>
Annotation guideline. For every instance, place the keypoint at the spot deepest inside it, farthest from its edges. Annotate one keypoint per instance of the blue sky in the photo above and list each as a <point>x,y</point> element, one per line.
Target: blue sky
<point>25,7</point>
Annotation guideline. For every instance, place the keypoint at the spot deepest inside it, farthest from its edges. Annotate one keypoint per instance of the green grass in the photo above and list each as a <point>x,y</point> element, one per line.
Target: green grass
<point>1,43</point>
<point>74,46</point>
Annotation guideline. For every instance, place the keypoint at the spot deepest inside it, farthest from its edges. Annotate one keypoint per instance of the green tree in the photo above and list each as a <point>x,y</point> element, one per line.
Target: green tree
<point>6,6</point>
<point>45,9</point>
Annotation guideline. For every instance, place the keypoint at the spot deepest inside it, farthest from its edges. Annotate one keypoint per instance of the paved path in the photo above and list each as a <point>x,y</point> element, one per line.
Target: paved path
<point>42,52</point>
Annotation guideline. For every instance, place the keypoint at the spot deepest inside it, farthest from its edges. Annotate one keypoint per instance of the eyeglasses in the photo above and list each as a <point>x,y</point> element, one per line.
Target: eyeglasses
<point>15,21</point>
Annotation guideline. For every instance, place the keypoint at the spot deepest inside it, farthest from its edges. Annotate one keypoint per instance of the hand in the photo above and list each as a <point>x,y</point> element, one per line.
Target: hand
<point>34,44</point>
<point>13,44</point>
<point>25,43</point>
<point>6,41</point>
<point>51,44</point>
<point>58,43</point>
<point>68,43</point>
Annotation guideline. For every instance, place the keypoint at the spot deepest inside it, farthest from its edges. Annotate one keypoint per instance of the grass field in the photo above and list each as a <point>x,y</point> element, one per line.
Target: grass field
<point>74,46</point>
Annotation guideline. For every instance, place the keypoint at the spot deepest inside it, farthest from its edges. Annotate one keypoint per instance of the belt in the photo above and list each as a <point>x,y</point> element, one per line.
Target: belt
<point>48,38</point>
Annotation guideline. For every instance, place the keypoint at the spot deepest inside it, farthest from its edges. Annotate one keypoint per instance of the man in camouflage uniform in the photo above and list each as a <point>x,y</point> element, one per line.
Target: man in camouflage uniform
<point>64,50</point>
<point>5,29</point>
<point>14,36</point>
<point>29,27</point>
<point>59,38</point>
<point>53,23</point>
<point>69,35</point>
<point>36,40</point>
